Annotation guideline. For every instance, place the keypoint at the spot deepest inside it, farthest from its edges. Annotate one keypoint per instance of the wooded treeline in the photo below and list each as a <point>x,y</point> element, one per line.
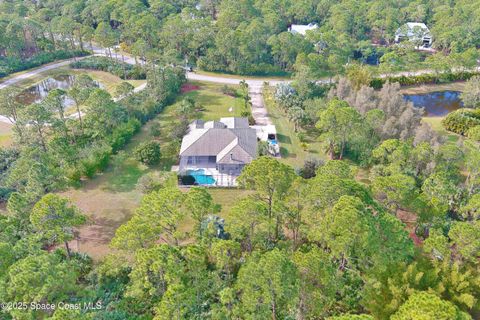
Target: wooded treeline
<point>243,36</point>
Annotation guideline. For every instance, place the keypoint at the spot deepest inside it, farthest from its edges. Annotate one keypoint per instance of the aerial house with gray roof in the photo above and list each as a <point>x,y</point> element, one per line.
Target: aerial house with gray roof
<point>215,152</point>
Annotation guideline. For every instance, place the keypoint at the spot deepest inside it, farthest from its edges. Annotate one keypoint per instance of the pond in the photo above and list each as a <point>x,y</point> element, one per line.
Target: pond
<point>38,92</point>
<point>436,104</point>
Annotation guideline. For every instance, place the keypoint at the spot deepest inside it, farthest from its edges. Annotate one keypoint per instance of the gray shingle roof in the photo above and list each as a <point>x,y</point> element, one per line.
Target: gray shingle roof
<point>230,145</point>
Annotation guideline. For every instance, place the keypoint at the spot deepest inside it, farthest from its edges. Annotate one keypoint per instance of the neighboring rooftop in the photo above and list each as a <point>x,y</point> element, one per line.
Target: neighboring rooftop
<point>302,28</point>
<point>409,29</point>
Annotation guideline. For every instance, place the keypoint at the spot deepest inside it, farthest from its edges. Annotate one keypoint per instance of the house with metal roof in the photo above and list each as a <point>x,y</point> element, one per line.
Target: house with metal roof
<point>215,152</point>
<point>416,32</point>
<point>302,28</point>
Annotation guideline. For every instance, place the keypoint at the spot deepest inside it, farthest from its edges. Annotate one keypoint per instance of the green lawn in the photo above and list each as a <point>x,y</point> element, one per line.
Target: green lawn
<point>215,103</point>
<point>290,146</point>
<point>436,124</point>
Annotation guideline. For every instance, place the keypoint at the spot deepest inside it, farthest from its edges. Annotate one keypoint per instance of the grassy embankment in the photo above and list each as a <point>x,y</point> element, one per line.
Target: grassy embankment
<point>111,198</point>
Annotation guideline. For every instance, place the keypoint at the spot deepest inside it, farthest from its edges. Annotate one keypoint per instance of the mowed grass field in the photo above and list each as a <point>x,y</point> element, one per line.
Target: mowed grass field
<point>110,199</point>
<point>217,104</point>
<point>291,148</point>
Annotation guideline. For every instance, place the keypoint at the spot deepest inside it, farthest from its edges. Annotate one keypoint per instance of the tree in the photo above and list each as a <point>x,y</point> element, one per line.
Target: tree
<point>271,181</point>
<point>471,93</point>
<point>395,190</point>
<point>164,209</point>
<point>56,219</point>
<point>359,75</point>
<point>39,278</point>
<point>423,305</point>
<point>471,210</point>
<point>297,116</point>
<point>318,283</point>
<point>465,238</point>
<point>346,230</point>
<point>352,317</point>
<point>105,35</point>
<point>249,223</point>
<point>226,255</point>
<point>295,206</point>
<point>80,91</point>
<point>136,234</point>
<point>9,106</point>
<point>199,204</point>
<point>55,103</point>
<point>338,124</point>
<point>148,152</point>
<point>123,90</point>
<point>153,270</point>
<point>40,116</point>
<point>269,286</point>
<point>7,257</point>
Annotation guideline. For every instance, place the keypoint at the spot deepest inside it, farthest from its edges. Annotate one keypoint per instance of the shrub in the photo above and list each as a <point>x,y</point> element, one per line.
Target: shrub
<point>429,78</point>
<point>148,152</point>
<point>474,133</point>
<point>309,169</point>
<point>95,159</point>
<point>120,69</point>
<point>460,121</point>
<point>187,180</point>
<point>123,133</point>
<point>302,137</point>
<point>155,130</point>
<point>229,91</point>
<point>156,180</point>
<point>262,149</point>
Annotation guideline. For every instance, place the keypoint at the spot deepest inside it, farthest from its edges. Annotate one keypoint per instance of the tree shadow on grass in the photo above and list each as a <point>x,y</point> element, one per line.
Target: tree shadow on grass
<point>286,154</point>
<point>123,175</point>
<point>284,139</point>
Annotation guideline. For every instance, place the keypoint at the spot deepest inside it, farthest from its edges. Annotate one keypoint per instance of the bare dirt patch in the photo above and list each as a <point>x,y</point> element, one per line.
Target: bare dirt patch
<point>410,220</point>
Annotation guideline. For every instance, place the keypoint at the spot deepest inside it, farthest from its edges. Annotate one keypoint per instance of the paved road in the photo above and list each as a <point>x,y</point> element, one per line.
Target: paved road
<point>259,111</point>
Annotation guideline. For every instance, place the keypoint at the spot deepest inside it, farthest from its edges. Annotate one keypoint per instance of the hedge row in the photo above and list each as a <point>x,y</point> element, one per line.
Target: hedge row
<point>96,156</point>
<point>12,64</point>
<point>377,83</point>
<point>462,120</point>
<point>118,68</point>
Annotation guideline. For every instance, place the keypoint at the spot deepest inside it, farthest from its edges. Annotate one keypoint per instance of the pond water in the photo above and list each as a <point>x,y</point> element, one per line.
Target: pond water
<point>39,91</point>
<point>436,104</point>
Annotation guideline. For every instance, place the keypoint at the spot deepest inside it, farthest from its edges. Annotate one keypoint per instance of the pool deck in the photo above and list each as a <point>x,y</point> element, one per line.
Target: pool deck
<point>221,179</point>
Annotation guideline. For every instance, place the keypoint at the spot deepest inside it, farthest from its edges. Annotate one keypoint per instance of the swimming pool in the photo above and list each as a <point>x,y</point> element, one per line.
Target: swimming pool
<point>200,177</point>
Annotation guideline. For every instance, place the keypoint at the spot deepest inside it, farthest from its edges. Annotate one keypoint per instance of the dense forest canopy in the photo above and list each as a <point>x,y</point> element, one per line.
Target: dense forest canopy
<point>238,36</point>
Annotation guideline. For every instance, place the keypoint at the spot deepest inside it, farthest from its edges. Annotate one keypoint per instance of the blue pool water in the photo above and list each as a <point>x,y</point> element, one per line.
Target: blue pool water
<point>274,142</point>
<point>200,177</point>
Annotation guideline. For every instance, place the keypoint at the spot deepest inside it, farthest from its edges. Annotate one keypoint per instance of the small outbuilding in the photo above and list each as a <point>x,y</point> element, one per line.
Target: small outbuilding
<point>415,32</point>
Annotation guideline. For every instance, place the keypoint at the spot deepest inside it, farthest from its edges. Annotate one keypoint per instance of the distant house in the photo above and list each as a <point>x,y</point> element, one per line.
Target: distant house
<point>302,28</point>
<point>415,32</point>
<point>215,152</point>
